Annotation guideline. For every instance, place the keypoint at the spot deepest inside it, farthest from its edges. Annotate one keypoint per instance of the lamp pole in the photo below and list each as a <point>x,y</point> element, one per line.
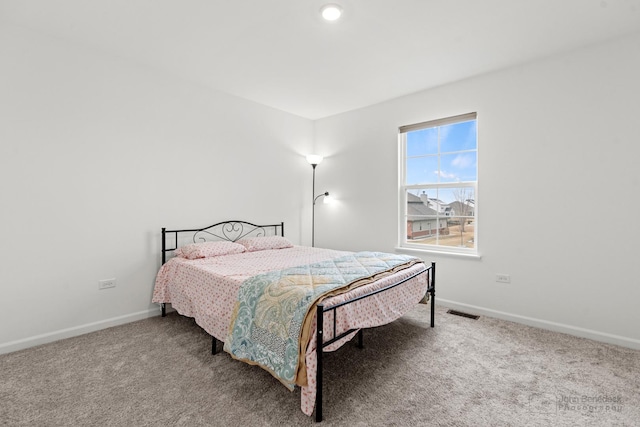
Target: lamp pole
<point>314,160</point>
<point>313,206</point>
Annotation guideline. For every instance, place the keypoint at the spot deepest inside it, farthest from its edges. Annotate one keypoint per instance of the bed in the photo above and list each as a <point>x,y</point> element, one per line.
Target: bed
<point>281,306</point>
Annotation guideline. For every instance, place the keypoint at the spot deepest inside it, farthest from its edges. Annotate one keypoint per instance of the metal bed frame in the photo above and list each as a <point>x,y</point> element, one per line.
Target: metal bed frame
<point>235,230</point>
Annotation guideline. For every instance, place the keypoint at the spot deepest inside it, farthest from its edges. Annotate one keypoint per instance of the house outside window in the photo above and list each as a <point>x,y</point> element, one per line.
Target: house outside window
<point>438,185</point>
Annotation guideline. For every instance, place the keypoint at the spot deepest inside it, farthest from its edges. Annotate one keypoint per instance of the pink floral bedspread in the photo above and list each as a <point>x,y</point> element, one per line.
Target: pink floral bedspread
<point>206,290</point>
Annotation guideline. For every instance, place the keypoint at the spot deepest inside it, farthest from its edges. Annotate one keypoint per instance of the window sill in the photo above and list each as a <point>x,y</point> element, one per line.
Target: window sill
<point>439,252</point>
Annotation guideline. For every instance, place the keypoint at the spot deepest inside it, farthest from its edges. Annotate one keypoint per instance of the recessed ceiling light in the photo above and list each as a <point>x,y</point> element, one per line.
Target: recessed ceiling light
<point>331,12</point>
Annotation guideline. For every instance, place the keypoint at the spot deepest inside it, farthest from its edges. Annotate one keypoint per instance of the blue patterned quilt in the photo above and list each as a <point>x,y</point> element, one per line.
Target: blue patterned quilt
<point>267,322</point>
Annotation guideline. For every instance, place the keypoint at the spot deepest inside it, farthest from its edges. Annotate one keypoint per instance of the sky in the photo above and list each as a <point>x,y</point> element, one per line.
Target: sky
<point>443,154</point>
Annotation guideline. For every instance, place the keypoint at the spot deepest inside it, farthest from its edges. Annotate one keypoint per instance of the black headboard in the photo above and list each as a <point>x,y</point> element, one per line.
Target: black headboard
<point>230,231</point>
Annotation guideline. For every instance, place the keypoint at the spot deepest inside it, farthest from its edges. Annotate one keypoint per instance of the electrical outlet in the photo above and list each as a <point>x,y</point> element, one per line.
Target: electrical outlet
<point>107,283</point>
<point>503,278</point>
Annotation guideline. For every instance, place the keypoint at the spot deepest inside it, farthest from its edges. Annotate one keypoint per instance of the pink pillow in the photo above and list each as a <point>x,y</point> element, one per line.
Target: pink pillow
<point>263,243</point>
<point>208,249</point>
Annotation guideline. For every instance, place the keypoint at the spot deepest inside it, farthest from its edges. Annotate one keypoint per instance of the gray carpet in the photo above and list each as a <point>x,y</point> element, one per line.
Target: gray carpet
<point>484,372</point>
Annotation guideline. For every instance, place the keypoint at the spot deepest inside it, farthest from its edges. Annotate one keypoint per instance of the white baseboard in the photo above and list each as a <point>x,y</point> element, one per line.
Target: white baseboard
<point>543,324</point>
<point>529,321</point>
<point>76,330</point>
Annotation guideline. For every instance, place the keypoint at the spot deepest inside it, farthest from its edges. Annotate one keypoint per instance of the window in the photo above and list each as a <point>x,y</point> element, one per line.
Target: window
<point>438,185</point>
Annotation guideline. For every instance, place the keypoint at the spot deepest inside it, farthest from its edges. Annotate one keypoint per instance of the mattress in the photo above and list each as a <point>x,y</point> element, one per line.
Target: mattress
<point>206,289</point>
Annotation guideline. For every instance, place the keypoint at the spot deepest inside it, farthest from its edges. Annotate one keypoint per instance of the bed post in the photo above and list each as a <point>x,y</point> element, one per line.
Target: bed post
<point>163,306</point>
<point>282,228</point>
<point>164,245</point>
<point>433,294</point>
<point>319,342</point>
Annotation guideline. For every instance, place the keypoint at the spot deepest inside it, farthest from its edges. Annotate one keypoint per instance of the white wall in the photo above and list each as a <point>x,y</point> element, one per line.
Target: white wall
<point>558,189</point>
<point>96,155</point>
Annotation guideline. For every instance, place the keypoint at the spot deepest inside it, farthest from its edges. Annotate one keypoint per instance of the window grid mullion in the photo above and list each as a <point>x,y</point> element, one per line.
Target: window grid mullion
<point>444,218</point>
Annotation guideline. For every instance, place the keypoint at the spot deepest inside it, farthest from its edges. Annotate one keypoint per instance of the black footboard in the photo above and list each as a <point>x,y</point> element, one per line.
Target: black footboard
<point>321,344</point>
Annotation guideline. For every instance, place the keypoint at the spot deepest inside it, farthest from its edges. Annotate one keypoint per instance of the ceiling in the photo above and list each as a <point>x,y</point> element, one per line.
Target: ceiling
<point>281,53</point>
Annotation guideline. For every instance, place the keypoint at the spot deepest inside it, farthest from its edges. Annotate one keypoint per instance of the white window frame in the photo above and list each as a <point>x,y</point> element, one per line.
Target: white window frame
<point>403,188</point>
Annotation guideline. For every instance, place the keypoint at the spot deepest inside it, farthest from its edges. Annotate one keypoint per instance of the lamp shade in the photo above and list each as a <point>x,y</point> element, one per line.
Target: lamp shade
<point>314,159</point>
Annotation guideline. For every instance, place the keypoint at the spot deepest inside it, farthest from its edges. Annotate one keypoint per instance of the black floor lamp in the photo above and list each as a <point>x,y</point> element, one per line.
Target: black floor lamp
<point>314,160</point>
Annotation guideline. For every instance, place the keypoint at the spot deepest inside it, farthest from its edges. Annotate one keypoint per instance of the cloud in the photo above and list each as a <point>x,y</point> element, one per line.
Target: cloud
<point>462,161</point>
<point>446,175</point>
